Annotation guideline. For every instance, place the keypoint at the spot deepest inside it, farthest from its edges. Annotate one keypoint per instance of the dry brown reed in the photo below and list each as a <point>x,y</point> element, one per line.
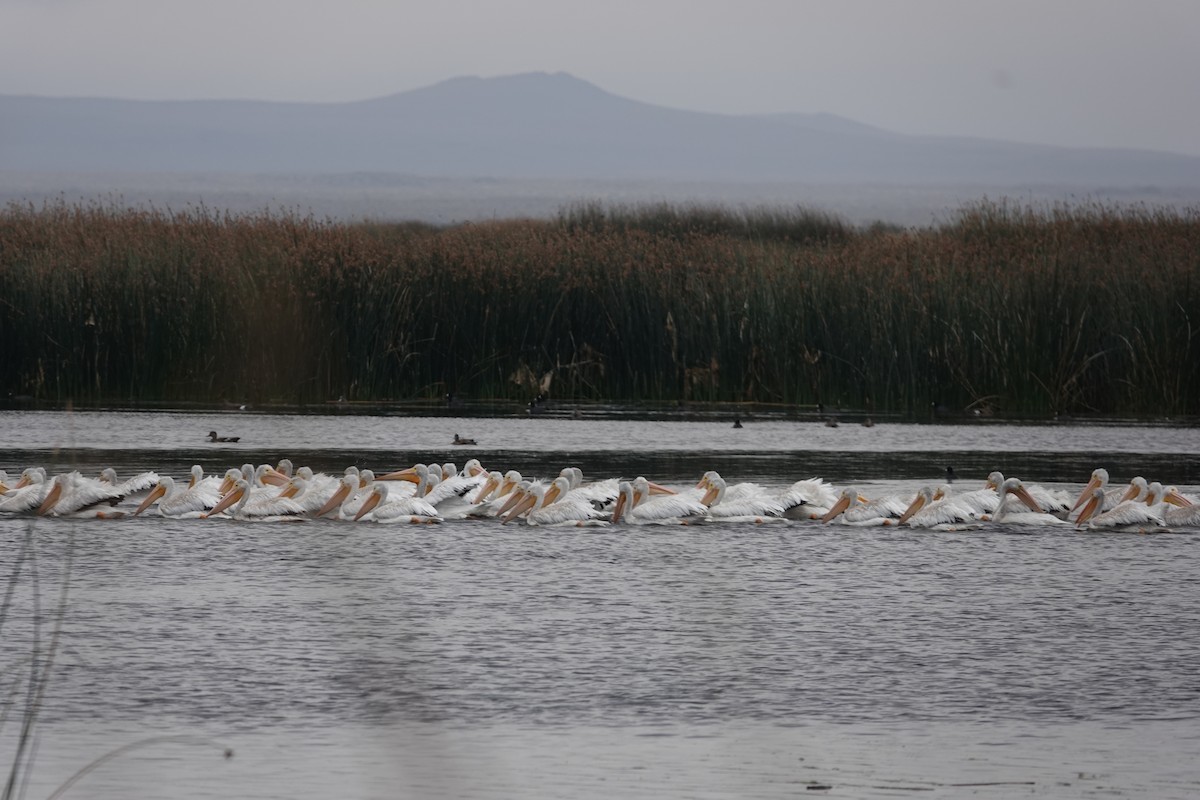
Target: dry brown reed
<point>1006,310</point>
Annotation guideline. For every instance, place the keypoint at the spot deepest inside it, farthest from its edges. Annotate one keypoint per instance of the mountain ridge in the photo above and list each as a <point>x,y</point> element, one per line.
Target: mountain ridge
<point>534,125</point>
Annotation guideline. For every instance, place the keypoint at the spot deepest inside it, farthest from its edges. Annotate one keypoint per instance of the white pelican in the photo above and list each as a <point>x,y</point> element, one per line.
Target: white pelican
<point>804,498</point>
<point>73,494</point>
<point>497,487</point>
<point>850,509</point>
<point>980,502</point>
<point>748,506</point>
<point>28,494</point>
<point>1112,495</point>
<point>244,502</point>
<point>1129,514</point>
<point>489,488</point>
<point>450,492</point>
<point>733,493</point>
<point>516,496</point>
<point>636,507</point>
<point>28,474</point>
<point>488,500</point>
<point>930,511</point>
<point>446,494</point>
<point>348,487</point>
<point>140,483</point>
<point>179,501</point>
<point>377,508</point>
<point>569,509</point>
<point>196,478</point>
<point>1174,508</point>
<point>307,492</point>
<point>351,505</point>
<point>601,494</point>
<point>1051,501</point>
<point>473,469</point>
<point>312,486</point>
<point>258,477</point>
<point>1035,516</point>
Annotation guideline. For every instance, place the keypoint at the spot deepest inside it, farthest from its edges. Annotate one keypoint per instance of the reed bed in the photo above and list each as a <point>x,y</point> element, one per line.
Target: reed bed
<point>1006,310</point>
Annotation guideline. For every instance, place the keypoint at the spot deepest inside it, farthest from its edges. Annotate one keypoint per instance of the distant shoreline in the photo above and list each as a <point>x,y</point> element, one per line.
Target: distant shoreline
<point>399,197</point>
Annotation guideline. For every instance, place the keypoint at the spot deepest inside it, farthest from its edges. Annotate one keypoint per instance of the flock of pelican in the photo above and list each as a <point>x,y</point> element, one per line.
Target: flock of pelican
<point>430,494</point>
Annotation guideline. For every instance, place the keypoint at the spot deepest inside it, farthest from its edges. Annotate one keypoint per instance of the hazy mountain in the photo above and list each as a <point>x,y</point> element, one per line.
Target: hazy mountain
<point>534,126</point>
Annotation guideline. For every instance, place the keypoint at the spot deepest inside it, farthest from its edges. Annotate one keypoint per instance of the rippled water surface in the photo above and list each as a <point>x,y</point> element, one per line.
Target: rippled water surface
<point>470,660</point>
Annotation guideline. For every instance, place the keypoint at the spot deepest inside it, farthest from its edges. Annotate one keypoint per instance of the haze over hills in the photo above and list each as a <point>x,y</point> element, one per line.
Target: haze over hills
<point>533,127</point>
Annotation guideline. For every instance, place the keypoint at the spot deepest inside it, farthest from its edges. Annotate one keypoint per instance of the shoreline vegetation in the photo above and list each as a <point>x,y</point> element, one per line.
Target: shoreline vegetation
<point>1005,311</point>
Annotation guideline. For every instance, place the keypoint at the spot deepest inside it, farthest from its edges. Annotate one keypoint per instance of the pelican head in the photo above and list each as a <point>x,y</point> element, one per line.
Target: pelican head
<point>924,497</point>
<point>535,498</point>
<point>1098,480</point>
<point>165,487</point>
<point>1017,489</point>
<point>378,495</point>
<point>624,499</point>
<point>1093,506</point>
<point>846,500</point>
<point>238,494</point>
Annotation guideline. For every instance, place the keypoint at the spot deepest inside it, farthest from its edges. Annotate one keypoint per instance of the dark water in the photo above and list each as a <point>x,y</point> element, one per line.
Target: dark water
<point>470,660</point>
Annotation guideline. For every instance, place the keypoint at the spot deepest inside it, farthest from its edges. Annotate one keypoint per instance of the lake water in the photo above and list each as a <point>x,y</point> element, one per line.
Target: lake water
<point>470,660</point>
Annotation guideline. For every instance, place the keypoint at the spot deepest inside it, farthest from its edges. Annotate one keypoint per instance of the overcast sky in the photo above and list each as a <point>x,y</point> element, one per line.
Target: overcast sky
<point>1077,72</point>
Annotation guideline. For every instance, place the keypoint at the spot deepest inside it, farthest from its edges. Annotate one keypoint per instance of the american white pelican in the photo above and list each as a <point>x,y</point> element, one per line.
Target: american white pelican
<point>492,495</point>
<point>929,511</point>
<point>179,501</point>
<point>735,492</point>
<point>72,494</point>
<point>440,486</point>
<point>516,496</point>
<point>196,477</point>
<point>138,484</point>
<point>377,508</point>
<point>309,493</point>
<point>1051,501</point>
<point>351,505</point>
<point>244,502</point>
<point>348,488</point>
<point>266,475</point>
<point>490,484</point>
<point>462,484</point>
<point>497,486</point>
<point>568,509</point>
<point>979,501</point>
<point>473,469</point>
<point>313,485</point>
<point>28,493</point>
<point>805,498</point>
<point>1035,516</point>
<point>635,506</point>
<point>748,506</point>
<point>1129,514</point>
<point>849,509</point>
<point>1175,509</point>
<point>601,494</point>
<point>1112,495</point>
<point>28,474</point>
